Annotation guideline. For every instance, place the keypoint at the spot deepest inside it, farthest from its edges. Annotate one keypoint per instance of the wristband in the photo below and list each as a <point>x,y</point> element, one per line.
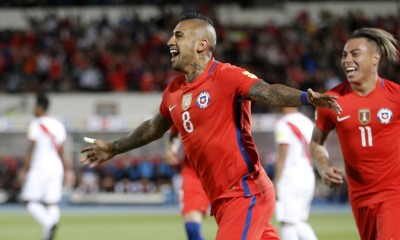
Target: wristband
<point>303,98</point>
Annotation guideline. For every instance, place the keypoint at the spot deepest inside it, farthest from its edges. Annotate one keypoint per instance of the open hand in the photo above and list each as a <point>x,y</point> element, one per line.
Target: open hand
<point>323,100</point>
<point>97,153</point>
<point>332,176</point>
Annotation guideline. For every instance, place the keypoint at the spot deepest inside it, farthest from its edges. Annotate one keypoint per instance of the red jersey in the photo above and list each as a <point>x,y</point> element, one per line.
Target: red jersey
<point>369,134</point>
<point>212,115</point>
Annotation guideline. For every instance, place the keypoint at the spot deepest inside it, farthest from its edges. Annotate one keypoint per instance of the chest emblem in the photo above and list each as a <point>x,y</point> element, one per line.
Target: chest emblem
<point>203,100</point>
<point>385,115</point>
<point>186,100</point>
<point>364,116</point>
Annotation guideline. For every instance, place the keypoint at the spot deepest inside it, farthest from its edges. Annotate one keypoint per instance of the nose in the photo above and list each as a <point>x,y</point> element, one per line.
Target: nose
<point>346,58</point>
<point>170,41</point>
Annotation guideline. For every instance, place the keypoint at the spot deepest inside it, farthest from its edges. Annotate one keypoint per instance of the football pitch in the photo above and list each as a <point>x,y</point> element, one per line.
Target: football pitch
<point>118,224</point>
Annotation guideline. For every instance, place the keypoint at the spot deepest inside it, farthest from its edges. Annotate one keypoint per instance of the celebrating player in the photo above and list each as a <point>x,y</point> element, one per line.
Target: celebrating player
<point>368,131</point>
<point>210,106</point>
<point>193,199</point>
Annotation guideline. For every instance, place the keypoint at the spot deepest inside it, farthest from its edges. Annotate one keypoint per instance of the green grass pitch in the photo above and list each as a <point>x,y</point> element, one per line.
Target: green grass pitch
<point>131,226</point>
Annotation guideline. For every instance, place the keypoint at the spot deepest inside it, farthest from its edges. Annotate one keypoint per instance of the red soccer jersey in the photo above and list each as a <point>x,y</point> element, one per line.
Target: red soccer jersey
<point>212,115</point>
<point>369,134</point>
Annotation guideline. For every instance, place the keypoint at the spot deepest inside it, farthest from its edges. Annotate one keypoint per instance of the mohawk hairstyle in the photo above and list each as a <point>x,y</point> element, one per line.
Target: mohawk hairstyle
<point>196,15</point>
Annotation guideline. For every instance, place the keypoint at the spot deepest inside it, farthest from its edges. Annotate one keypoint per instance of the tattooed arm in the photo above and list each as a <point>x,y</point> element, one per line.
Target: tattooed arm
<point>279,95</point>
<point>147,132</point>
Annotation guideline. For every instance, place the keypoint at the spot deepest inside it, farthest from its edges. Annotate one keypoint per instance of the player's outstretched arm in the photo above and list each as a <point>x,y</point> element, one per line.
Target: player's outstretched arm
<point>331,175</point>
<point>147,132</point>
<point>279,95</point>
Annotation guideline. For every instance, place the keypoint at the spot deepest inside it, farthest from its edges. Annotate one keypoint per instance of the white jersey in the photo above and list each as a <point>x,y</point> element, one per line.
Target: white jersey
<point>48,134</point>
<point>297,182</point>
<point>44,179</point>
<point>295,130</point>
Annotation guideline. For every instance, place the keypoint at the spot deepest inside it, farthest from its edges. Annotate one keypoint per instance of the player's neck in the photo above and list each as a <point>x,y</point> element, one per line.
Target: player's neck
<point>196,69</point>
<point>365,87</point>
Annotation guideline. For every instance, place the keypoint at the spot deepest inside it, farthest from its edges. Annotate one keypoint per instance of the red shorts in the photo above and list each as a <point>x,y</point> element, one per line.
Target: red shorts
<point>247,217</point>
<point>193,196</point>
<point>379,221</point>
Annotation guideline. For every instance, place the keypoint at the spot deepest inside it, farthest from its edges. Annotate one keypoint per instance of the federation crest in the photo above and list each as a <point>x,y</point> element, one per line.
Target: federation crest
<point>186,100</point>
<point>203,100</point>
<point>364,116</point>
<point>385,115</point>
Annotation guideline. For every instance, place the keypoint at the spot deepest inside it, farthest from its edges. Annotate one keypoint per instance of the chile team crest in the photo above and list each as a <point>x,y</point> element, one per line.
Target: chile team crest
<point>203,100</point>
<point>385,115</point>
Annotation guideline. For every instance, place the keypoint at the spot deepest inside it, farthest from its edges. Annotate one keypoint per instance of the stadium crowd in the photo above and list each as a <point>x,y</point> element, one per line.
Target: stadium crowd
<point>63,54</point>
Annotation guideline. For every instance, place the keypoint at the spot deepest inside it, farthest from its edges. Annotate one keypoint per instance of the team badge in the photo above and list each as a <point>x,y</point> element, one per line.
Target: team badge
<point>385,115</point>
<point>364,116</point>
<point>203,100</point>
<point>186,100</point>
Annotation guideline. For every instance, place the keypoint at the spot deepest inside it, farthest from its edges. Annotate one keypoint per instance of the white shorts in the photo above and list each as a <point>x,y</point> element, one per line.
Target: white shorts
<point>293,204</point>
<point>42,186</point>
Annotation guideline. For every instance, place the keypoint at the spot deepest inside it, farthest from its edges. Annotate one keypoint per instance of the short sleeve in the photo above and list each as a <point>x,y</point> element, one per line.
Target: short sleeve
<point>164,110</point>
<point>323,120</point>
<point>282,133</point>
<point>238,78</point>
<point>33,131</point>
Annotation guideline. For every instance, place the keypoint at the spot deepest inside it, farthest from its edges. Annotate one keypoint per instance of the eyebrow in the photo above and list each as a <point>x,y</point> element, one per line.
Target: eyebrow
<point>351,51</point>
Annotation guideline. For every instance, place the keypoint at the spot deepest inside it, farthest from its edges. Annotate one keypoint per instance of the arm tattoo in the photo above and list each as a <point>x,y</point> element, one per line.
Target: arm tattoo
<point>277,95</point>
<point>145,133</point>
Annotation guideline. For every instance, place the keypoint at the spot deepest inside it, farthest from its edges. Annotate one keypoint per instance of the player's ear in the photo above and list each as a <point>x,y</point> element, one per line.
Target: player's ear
<point>203,45</point>
<point>376,58</point>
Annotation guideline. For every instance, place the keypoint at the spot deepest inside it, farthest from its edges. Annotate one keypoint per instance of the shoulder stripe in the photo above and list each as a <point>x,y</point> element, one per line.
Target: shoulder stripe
<point>212,67</point>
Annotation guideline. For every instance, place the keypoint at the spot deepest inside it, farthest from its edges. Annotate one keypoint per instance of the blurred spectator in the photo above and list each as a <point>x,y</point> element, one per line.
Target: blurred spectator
<point>66,54</point>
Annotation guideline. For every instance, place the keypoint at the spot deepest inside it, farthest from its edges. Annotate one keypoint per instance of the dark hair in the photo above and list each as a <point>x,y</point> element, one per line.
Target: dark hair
<point>385,42</point>
<point>196,15</point>
<point>42,101</point>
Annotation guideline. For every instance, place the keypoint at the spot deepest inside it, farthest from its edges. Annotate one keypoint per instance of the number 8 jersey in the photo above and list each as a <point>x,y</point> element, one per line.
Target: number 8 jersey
<point>212,115</point>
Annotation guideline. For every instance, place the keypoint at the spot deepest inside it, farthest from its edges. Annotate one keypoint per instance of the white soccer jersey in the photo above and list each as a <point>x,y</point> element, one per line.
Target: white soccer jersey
<point>44,179</point>
<point>297,182</point>
<point>48,134</point>
<point>297,163</point>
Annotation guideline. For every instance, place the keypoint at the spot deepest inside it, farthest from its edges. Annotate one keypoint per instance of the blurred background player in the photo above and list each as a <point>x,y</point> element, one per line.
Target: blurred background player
<point>192,197</point>
<point>368,131</point>
<point>43,169</point>
<point>294,178</point>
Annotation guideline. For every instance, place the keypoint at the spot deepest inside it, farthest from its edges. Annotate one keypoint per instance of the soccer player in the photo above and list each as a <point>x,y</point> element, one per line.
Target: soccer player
<point>43,168</point>
<point>210,106</point>
<point>294,179</point>
<point>192,197</point>
<point>369,134</point>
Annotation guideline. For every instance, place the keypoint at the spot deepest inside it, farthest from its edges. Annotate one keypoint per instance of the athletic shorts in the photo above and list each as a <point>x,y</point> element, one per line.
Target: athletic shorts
<point>42,186</point>
<point>293,204</point>
<point>379,221</point>
<point>192,196</point>
<point>246,217</point>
